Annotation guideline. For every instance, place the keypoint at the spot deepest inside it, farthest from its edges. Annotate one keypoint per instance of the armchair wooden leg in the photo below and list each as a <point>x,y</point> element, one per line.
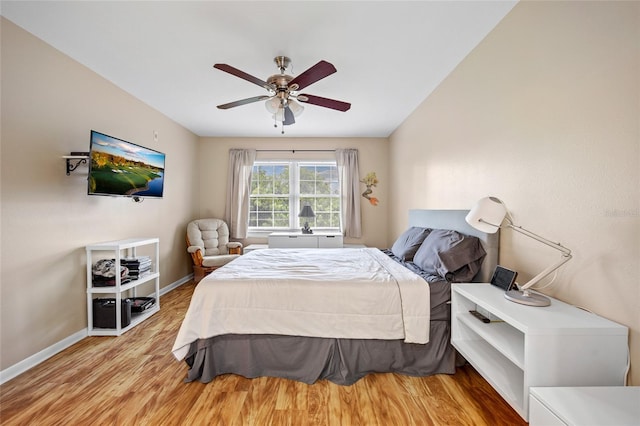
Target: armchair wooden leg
<point>199,272</point>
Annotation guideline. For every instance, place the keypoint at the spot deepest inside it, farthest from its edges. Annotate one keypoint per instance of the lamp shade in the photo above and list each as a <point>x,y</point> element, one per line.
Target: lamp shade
<point>295,107</point>
<point>487,215</point>
<point>307,211</point>
<point>273,104</point>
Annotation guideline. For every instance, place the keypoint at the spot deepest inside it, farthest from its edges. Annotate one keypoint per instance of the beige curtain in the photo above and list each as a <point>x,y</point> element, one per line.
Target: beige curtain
<point>238,190</point>
<point>349,175</point>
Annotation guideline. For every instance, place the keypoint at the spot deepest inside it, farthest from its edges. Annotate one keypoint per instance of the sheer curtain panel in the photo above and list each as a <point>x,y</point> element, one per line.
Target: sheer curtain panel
<point>238,189</point>
<point>349,174</point>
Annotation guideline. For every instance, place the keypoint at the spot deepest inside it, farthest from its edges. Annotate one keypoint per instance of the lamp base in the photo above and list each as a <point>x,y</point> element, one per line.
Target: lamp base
<point>527,298</point>
<point>306,229</point>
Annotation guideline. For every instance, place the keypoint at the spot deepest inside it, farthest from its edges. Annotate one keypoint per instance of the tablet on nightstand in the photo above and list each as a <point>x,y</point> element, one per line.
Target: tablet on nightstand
<point>504,278</point>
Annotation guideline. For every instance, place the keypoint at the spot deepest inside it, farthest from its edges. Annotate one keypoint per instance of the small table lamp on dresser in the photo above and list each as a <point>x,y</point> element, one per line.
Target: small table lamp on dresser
<point>307,213</point>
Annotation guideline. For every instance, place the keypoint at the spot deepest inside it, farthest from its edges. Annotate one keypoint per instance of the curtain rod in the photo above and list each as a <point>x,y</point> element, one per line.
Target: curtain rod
<point>294,150</point>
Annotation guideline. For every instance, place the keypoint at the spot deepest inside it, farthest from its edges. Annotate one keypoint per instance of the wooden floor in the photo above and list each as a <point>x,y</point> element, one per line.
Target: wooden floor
<point>134,380</point>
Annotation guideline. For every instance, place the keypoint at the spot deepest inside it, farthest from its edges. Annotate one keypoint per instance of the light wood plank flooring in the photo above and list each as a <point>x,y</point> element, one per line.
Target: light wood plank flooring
<point>134,380</point>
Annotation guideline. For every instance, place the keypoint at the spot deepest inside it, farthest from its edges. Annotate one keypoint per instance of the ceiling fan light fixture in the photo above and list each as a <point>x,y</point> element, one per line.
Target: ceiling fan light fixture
<point>276,107</point>
<point>282,90</point>
<point>272,105</point>
<point>295,107</point>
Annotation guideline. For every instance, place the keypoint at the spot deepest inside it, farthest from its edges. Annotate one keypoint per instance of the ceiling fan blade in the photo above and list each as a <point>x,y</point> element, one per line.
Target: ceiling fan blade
<point>244,102</point>
<point>324,102</point>
<point>235,71</point>
<point>317,72</point>
<point>288,116</point>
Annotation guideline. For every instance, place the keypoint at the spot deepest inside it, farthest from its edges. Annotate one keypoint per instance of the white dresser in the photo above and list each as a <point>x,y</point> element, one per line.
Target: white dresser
<point>300,240</point>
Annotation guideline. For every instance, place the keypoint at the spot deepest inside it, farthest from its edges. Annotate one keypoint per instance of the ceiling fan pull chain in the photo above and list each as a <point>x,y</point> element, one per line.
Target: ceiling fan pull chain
<point>282,124</point>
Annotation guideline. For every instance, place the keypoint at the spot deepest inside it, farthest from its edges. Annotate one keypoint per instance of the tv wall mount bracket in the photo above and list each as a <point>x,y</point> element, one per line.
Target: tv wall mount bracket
<point>78,157</point>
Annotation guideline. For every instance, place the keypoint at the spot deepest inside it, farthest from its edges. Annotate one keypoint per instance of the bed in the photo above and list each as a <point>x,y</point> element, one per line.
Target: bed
<point>337,314</point>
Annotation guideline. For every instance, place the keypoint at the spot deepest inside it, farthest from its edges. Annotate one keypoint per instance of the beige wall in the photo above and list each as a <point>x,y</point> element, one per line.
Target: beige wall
<point>544,114</point>
<point>372,157</point>
<point>49,105</point>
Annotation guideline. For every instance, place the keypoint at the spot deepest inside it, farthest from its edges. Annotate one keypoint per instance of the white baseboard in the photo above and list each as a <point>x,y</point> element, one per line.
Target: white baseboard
<point>28,363</point>
<point>43,355</point>
<point>175,284</point>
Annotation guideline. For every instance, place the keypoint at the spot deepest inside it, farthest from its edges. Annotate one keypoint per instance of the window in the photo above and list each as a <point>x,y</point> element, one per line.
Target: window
<point>279,189</point>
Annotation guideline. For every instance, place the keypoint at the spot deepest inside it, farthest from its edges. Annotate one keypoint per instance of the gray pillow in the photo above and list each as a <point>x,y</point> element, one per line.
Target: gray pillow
<point>408,243</point>
<point>450,254</point>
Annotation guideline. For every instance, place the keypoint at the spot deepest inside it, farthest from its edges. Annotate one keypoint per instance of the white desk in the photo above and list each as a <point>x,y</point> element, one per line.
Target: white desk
<point>594,406</point>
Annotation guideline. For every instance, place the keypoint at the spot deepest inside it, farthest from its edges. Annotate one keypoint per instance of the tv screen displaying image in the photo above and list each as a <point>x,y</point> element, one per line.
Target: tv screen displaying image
<point>121,168</point>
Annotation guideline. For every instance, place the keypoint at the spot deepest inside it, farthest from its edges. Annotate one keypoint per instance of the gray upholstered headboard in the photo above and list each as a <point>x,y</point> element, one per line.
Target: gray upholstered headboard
<point>454,219</point>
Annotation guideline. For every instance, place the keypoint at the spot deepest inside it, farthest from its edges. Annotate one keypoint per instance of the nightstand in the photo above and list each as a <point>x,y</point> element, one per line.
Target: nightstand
<point>594,406</point>
<point>557,345</point>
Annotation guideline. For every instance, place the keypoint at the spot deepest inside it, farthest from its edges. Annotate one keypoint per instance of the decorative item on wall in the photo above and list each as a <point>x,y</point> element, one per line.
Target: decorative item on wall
<point>370,180</point>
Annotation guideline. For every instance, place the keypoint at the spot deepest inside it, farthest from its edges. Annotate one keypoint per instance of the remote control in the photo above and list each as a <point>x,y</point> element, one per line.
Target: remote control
<point>480,316</point>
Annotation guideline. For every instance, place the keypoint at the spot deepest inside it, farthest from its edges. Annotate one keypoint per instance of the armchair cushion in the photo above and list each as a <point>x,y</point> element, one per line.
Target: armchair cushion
<point>218,261</point>
<point>211,235</point>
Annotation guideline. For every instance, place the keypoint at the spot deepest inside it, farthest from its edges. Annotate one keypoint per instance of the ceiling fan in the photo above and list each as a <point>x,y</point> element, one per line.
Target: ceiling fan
<point>283,90</point>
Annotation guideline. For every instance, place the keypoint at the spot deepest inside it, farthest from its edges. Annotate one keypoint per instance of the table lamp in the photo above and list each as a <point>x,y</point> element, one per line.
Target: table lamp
<point>307,213</point>
<point>488,216</point>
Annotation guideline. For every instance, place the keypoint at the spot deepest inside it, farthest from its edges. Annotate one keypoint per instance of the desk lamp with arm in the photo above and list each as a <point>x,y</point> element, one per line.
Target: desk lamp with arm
<point>491,214</point>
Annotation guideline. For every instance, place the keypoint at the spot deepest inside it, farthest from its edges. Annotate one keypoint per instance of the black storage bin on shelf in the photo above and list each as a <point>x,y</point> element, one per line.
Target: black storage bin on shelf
<point>141,304</point>
<point>104,312</point>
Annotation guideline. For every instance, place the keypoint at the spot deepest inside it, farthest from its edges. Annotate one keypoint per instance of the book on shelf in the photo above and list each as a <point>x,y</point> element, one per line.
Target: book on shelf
<point>135,258</point>
<point>110,282</point>
<point>136,276</point>
<point>136,264</point>
<point>130,261</point>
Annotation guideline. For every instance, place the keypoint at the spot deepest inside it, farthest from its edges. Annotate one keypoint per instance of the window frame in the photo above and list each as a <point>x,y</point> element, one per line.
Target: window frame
<point>295,196</point>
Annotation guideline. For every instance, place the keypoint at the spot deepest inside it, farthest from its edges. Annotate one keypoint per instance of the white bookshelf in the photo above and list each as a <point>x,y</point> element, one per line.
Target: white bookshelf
<point>558,345</point>
<point>118,250</point>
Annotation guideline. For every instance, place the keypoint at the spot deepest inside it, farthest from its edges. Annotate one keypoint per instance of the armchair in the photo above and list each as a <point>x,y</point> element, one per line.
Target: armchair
<point>209,246</point>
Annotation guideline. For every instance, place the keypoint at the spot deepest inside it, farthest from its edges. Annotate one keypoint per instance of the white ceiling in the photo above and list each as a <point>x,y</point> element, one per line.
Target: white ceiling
<point>390,55</point>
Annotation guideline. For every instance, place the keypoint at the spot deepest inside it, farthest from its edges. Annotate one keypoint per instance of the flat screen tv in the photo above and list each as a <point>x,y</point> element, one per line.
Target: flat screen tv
<point>121,168</point>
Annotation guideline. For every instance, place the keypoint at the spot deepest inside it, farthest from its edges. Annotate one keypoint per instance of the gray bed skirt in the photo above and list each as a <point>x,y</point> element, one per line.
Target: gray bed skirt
<point>308,359</point>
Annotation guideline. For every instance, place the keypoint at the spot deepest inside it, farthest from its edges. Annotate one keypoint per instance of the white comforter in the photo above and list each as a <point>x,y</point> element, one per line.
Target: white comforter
<point>336,293</point>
